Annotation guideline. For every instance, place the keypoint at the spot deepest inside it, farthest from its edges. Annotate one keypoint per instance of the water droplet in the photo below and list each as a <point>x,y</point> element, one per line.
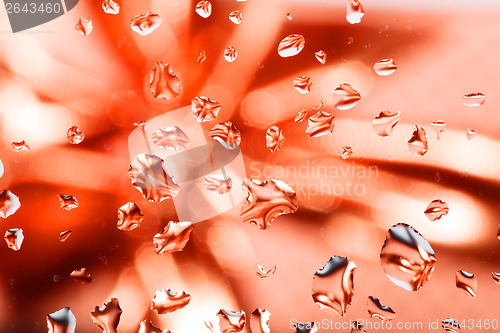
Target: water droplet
<point>385,67</point>
<point>259,321</point>
<point>274,138</point>
<point>147,327</point>
<point>301,116</point>
<point>230,54</point>
<point>320,124</point>
<point>218,182</point>
<point>451,325</point>
<point>163,83</point>
<point>14,238</point>
<point>9,203</point>
<point>63,236</point>
<point>204,108</point>
<point>173,237</point>
<point>302,84</point>
<point>209,325</point>
<point>204,8</point>
<point>75,135</point>
<point>496,277</point>
<point>470,133</point>
<point>110,7</point>
<point>145,23</point>
<point>142,125</point>
<point>346,152</point>
<point>467,282</point>
<point>354,12</point>
<point>349,97</point>
<point>166,301</point>
<point>333,285</point>
<point>291,45</point>
<point>407,258</point>
<point>384,28</point>
<point>107,318</point>
<point>227,134</point>
<point>149,175</point>
<point>385,121</point>
<point>377,310</point>
<point>321,56</point>
<point>262,273</point>
<point>289,16</point>
<point>68,202</point>
<point>436,210</point>
<point>84,26</point>
<point>201,57</point>
<point>320,105</point>
<point>81,276</point>
<point>418,142</point>
<point>172,138</point>
<point>20,146</point>
<point>231,321</point>
<point>474,99</point>
<point>356,326</point>
<point>267,200</point>
<point>236,17</point>
<point>350,40</point>
<point>129,217</point>
<point>309,327</point>
<point>62,321</point>
<point>439,127</point>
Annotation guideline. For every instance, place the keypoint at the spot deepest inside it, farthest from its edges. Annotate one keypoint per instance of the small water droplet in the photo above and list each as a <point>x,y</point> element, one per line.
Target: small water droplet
<point>145,23</point>
<point>385,121</point>
<point>204,8</point>
<point>236,17</point>
<point>439,127</point>
<point>289,16</point>
<point>474,99</point>
<point>142,125</point>
<point>291,45</point>
<point>350,40</point>
<point>231,321</point>
<point>436,210</point>
<point>56,278</point>
<point>172,138</point>
<point>84,26</point>
<point>349,97</point>
<point>407,258</point>
<point>129,217</point>
<point>467,282</point>
<point>9,203</point>
<point>259,321</point>
<point>470,133</point>
<point>61,321</point>
<point>147,326</point>
<point>14,238</point>
<point>20,146</point>
<point>320,124</point>
<point>81,276</point>
<point>333,285</point>
<point>385,67</point>
<point>309,327</point>
<point>496,277</point>
<point>451,325</point>
<point>267,200</point>
<point>230,54</point>
<point>320,105</point>
<point>67,202</point>
<point>107,318</point>
<point>227,134</point>
<point>262,273</point>
<point>354,12</point>
<point>173,237</point>
<point>201,57</point>
<point>149,175</point>
<point>377,310</point>
<point>110,7</point>
<point>384,28</point>
<point>356,327</point>
<point>418,142</point>
<point>204,108</point>
<point>166,301</point>
<point>63,236</point>
<point>301,116</point>
<point>346,152</point>
<point>218,182</point>
<point>163,83</point>
<point>274,138</point>
<point>75,135</point>
<point>321,56</point>
<point>302,84</point>
<point>210,325</point>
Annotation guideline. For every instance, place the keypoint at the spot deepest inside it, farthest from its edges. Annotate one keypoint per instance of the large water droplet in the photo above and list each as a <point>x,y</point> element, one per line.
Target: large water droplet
<point>474,99</point>
<point>230,54</point>
<point>9,203</point>
<point>436,210</point>
<point>145,23</point>
<point>218,182</point>
<point>262,273</point>
<point>451,325</point>
<point>470,133</point>
<point>84,26</point>
<point>333,285</point>
<point>173,237</point>
<point>62,321</point>
<point>81,276</point>
<point>110,7</point>
<point>166,301</point>
<point>346,152</point>
<point>301,116</point>
<point>231,321</point>
<point>320,124</point>
<point>147,326</point>
<point>496,277</point>
<point>267,200</point>
<point>354,12</point>
<point>377,310</point>
<point>321,56</point>
<point>149,175</point>
<point>291,45</point>
<point>259,321</point>
<point>385,121</point>
<point>172,138</point>
<point>201,57</point>
<point>163,83</point>
<point>418,142</point>
<point>227,134</point>
<point>75,135</point>
<point>385,67</point>
<point>204,108</point>
<point>129,217</point>
<point>302,84</point>
<point>63,236</point>
<point>204,8</point>
<point>349,97</point>
<point>236,17</point>
<point>439,127</point>
<point>14,238</point>
<point>467,282</point>
<point>67,202</point>
<point>107,318</point>
<point>274,138</point>
<point>407,258</point>
<point>20,146</point>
